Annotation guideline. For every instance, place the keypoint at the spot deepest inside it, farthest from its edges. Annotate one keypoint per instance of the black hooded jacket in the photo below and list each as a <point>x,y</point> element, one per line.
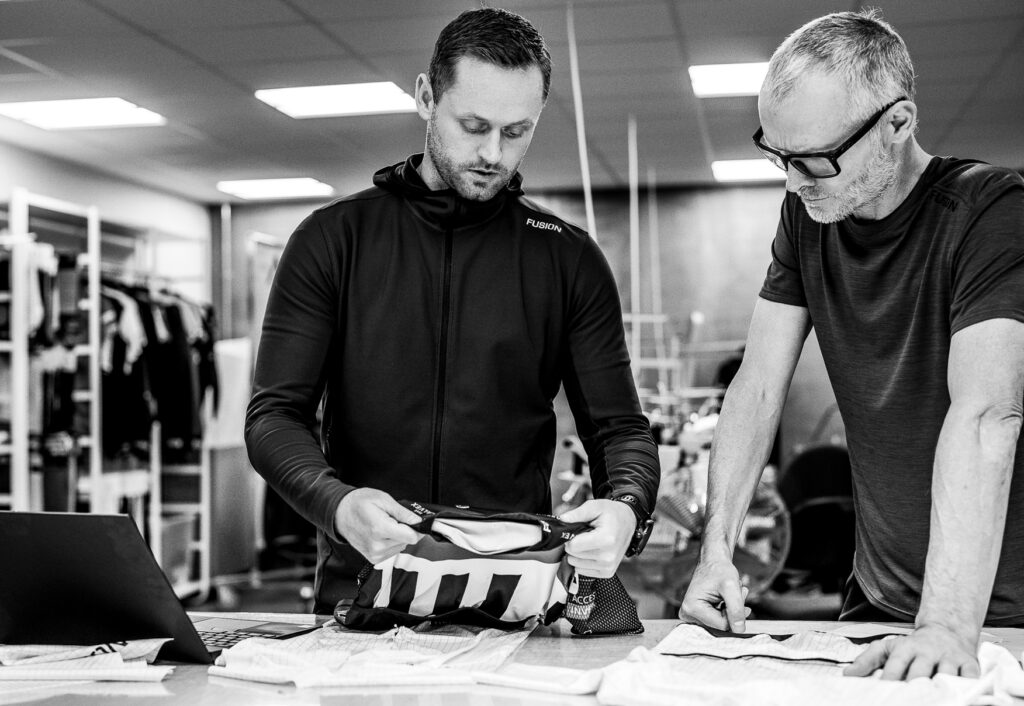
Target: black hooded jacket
<point>437,331</point>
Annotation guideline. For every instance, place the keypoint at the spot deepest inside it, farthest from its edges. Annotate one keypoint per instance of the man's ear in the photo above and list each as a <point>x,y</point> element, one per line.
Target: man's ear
<point>424,96</point>
<point>903,121</point>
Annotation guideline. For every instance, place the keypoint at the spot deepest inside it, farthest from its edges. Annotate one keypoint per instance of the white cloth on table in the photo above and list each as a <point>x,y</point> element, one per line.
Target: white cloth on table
<point>805,670</point>
<point>536,677</point>
<point>334,656</point>
<point>117,661</point>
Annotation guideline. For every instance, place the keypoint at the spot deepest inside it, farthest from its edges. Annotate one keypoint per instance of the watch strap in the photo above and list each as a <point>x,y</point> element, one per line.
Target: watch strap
<point>644,522</point>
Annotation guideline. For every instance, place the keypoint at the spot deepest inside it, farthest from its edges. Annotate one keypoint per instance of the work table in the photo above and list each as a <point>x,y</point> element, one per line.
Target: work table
<point>551,645</point>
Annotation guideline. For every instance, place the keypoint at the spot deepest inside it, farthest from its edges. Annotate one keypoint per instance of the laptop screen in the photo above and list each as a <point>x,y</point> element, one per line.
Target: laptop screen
<point>80,579</point>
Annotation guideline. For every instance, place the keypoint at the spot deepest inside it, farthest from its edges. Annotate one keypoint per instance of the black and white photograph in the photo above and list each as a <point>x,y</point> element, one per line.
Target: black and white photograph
<point>430,352</point>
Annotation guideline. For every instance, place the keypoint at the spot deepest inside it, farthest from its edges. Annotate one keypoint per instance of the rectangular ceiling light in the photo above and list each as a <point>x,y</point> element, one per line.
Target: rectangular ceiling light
<point>254,189</point>
<point>344,99</point>
<point>81,114</point>
<point>712,80</point>
<point>746,170</point>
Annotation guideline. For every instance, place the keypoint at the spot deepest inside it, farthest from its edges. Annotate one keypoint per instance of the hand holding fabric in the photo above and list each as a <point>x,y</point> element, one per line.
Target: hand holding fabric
<point>715,597</point>
<point>929,650</point>
<point>598,553</point>
<point>375,524</point>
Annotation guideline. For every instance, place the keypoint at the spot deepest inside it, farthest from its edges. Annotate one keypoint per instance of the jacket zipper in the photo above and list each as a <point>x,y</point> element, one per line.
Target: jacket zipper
<point>442,365</point>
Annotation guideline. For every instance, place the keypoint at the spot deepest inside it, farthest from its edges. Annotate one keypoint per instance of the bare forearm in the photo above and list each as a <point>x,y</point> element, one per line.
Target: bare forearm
<point>742,442</point>
<point>970,488</point>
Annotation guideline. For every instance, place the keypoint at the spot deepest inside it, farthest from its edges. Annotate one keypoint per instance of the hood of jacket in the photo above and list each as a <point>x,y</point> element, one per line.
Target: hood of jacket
<point>443,207</point>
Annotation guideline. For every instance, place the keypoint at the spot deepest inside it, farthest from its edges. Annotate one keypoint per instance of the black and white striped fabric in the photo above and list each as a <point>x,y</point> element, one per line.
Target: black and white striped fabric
<point>473,567</point>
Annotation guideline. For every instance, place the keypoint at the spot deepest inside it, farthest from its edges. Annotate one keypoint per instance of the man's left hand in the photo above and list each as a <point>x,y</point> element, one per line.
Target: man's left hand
<point>597,553</point>
<point>929,650</point>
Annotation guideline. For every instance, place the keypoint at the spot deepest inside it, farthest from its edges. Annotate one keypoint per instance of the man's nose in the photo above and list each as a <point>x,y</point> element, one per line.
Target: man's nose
<point>795,179</point>
<point>490,147</point>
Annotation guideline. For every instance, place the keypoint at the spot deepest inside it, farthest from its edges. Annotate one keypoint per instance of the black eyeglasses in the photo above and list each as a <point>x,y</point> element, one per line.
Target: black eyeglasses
<point>818,165</point>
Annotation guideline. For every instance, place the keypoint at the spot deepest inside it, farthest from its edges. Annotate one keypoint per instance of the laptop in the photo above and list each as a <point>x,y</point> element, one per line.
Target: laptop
<point>82,579</point>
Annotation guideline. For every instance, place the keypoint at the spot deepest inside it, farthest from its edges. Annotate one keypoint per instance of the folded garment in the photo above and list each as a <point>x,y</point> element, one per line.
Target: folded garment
<point>551,680</point>
<point>695,640</point>
<point>334,656</point>
<point>778,677</point>
<point>35,654</point>
<point>117,661</point>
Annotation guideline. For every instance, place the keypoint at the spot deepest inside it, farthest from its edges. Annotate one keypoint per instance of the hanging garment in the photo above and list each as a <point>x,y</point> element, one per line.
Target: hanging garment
<point>42,261</point>
<point>129,327</point>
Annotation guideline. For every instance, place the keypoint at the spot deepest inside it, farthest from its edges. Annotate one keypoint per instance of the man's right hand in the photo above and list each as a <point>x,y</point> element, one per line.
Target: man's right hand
<point>375,524</point>
<point>715,597</point>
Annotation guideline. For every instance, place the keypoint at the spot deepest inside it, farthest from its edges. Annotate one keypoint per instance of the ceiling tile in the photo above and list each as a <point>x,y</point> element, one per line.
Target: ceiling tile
<point>902,15</point>
<point>161,14</point>
<point>300,72</point>
<point>724,18</point>
<point>371,37</point>
<point>67,18</point>
<point>261,43</point>
<point>653,55</point>
<point>330,10</point>
<point>969,37</point>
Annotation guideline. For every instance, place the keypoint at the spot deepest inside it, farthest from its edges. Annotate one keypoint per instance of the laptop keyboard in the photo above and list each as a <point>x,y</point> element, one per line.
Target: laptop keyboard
<point>221,640</point>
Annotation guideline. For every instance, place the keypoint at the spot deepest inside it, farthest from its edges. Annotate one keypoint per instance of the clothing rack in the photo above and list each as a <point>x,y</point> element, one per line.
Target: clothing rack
<point>180,509</point>
<point>77,229</point>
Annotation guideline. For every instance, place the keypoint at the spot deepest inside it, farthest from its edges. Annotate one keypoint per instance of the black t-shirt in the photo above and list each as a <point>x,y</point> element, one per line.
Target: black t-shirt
<point>884,298</point>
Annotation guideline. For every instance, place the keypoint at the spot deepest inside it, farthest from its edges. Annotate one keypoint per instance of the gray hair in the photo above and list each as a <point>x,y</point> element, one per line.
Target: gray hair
<point>859,47</point>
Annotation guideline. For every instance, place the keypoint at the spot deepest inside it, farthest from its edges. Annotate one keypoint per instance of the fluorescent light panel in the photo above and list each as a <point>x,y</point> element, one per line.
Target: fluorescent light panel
<point>81,114</point>
<point>343,99</point>
<point>712,80</point>
<point>298,187</point>
<point>746,170</point>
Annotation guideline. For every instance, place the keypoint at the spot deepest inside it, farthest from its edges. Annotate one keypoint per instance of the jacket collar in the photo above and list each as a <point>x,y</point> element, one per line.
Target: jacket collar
<point>443,208</point>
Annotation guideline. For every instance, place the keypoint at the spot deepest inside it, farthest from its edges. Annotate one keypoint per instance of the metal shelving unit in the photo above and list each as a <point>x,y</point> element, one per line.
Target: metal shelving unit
<point>22,205</point>
<point>15,448</point>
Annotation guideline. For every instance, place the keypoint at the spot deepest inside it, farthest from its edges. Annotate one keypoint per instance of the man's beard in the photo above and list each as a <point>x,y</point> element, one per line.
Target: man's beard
<point>458,176</point>
<point>878,176</point>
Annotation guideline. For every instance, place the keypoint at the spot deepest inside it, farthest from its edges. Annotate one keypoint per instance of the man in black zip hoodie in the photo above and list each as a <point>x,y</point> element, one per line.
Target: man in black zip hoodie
<point>436,315</point>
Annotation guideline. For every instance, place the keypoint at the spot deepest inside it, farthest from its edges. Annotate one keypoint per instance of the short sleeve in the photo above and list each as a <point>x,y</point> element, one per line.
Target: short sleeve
<point>988,266</point>
<point>783,283</point>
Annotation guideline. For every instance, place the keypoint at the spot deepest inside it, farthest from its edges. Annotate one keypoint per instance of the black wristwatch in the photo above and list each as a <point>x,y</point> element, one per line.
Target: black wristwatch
<point>644,523</point>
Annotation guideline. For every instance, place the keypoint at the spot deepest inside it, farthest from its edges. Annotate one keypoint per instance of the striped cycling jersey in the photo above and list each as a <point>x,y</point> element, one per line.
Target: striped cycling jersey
<point>494,569</point>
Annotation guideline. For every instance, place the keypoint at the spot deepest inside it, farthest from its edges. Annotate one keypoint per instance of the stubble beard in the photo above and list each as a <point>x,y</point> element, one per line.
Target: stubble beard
<point>878,176</point>
<point>457,176</point>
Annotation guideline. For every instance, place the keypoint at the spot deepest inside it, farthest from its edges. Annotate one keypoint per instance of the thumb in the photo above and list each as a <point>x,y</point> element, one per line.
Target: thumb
<point>399,512</point>
<point>587,512</point>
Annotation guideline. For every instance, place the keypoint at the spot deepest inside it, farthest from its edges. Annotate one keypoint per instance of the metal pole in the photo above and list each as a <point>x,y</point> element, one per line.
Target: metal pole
<point>634,243</point>
<point>581,133</point>
<point>654,241</point>
<point>20,239</point>
<point>95,379</point>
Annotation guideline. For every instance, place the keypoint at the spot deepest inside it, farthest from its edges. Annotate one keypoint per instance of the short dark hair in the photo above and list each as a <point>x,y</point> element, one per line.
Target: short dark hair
<point>489,34</point>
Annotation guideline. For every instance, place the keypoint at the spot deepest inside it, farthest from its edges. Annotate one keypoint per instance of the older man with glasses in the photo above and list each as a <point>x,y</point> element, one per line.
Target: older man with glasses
<point>910,269</point>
